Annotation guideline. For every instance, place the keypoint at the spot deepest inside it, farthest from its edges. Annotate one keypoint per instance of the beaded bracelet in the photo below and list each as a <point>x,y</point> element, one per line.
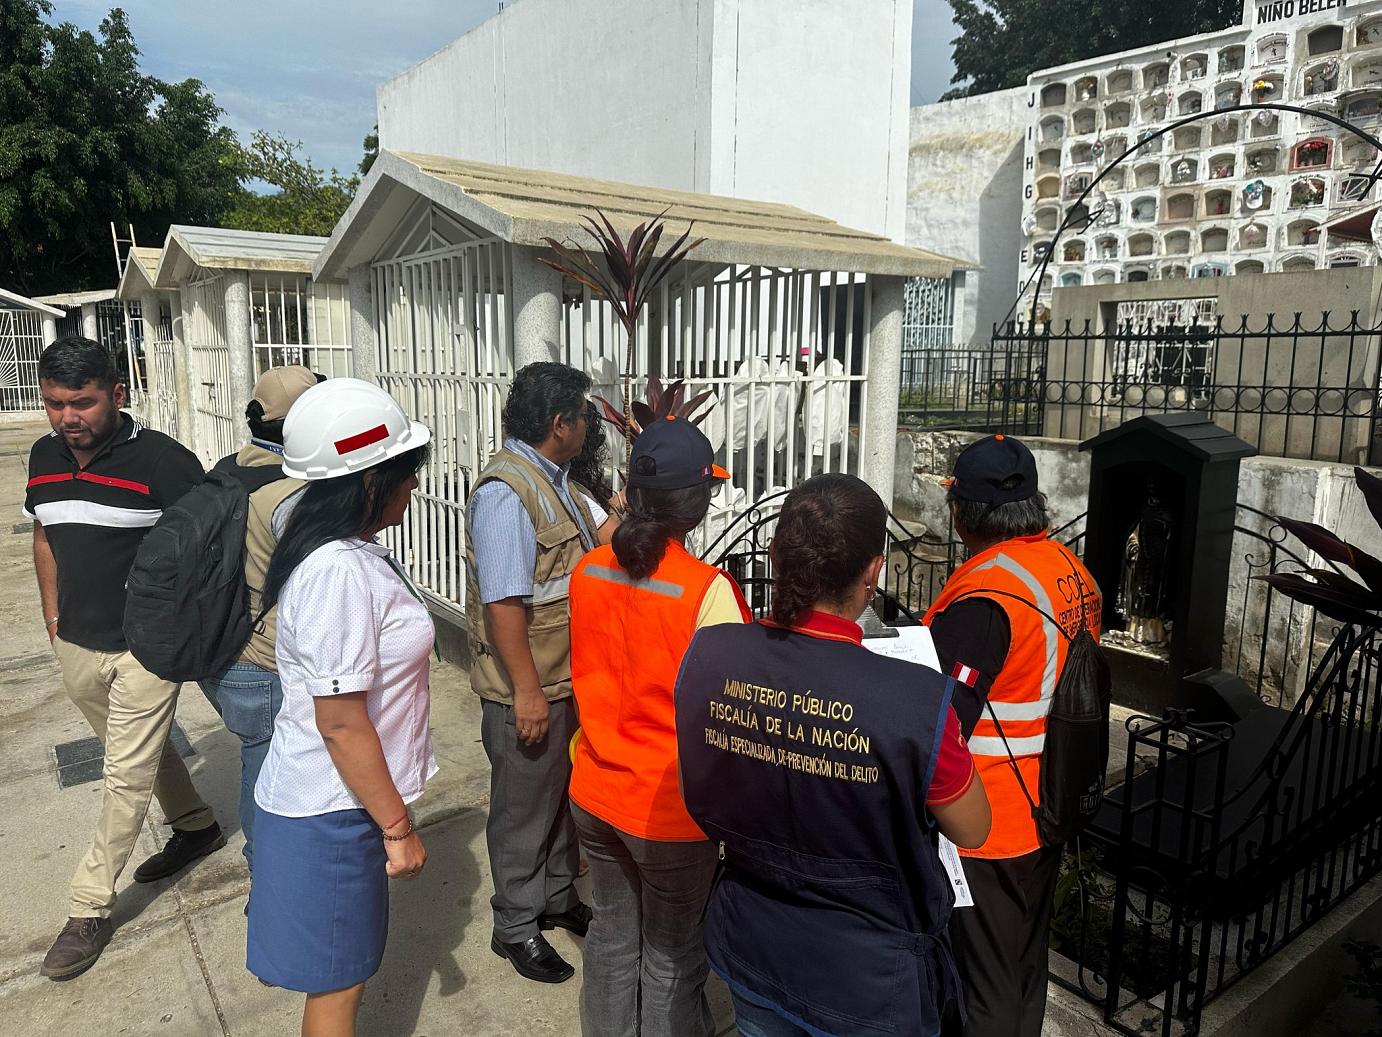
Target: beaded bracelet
<point>399,838</point>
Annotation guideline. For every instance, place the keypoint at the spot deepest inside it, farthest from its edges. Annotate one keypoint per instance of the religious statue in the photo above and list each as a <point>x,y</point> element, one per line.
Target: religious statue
<point>1144,591</point>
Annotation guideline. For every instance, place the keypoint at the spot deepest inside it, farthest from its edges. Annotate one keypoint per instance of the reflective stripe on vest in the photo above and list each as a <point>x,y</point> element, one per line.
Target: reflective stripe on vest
<point>983,745</point>
<point>619,576</point>
<point>1039,709</point>
<point>625,763</point>
<point>1034,570</point>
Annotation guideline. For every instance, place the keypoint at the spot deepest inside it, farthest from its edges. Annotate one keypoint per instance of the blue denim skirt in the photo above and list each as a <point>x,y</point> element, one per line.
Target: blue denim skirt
<point>319,903</point>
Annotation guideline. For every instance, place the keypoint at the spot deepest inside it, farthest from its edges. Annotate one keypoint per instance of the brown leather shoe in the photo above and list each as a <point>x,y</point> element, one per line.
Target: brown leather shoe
<point>77,947</point>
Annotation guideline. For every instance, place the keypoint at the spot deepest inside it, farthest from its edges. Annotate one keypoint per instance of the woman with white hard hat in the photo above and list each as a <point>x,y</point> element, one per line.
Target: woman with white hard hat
<point>351,747</point>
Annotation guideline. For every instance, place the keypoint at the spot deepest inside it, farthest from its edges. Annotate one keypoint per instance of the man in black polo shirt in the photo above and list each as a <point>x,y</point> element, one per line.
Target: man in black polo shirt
<point>97,483</point>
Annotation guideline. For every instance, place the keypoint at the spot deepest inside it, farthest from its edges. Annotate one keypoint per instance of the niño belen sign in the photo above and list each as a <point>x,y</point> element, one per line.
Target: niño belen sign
<point>1270,12</point>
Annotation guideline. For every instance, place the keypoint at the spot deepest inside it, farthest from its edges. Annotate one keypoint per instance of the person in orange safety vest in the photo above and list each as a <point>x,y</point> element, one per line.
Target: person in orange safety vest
<point>635,606</point>
<point>984,619</point>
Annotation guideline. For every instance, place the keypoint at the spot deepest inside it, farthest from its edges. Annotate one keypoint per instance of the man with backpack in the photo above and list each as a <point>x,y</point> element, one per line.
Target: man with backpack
<point>97,483</point>
<point>247,694</point>
<point>1036,716</point>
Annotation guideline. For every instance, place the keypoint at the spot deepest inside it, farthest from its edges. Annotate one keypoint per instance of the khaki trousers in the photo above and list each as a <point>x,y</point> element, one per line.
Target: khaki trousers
<point>131,712</point>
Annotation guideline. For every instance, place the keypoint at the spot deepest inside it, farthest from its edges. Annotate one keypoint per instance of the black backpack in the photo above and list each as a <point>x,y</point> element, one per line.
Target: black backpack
<point>187,613</point>
<point>1074,762</point>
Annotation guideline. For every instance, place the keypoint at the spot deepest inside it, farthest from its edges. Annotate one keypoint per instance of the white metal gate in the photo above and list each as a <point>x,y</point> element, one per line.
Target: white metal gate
<point>217,431</point>
<point>297,321</point>
<point>21,342</point>
<point>445,352</point>
<point>785,353</point>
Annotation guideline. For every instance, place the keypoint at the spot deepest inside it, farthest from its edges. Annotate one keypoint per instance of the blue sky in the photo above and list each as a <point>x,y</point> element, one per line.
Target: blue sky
<point>308,68</point>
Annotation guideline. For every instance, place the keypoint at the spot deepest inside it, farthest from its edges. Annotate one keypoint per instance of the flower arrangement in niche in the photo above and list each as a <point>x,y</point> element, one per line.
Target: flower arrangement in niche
<point>1312,153</point>
<point>1254,194</point>
<point>1307,192</point>
<point>1262,89</point>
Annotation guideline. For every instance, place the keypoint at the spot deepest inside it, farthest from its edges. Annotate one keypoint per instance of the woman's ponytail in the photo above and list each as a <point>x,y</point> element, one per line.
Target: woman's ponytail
<point>656,517</point>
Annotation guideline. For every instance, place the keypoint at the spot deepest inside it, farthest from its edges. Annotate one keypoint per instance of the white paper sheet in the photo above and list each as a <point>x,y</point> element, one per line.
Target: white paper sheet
<point>914,645</point>
<point>950,860</point>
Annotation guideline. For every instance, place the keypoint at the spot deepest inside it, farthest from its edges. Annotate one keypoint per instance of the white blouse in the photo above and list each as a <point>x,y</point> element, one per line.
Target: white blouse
<point>347,622</point>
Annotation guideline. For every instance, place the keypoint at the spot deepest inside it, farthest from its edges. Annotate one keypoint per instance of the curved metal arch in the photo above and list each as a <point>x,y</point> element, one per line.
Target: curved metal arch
<point>1066,223</point>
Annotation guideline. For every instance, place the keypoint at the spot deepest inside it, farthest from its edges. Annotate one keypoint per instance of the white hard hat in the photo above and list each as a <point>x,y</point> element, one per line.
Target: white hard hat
<point>344,425</point>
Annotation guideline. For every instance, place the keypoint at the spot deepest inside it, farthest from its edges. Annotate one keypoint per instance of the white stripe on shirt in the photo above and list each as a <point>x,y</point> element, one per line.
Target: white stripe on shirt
<point>88,513</point>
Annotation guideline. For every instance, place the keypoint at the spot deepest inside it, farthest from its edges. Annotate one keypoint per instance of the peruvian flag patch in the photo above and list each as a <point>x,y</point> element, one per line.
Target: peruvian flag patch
<point>966,675</point>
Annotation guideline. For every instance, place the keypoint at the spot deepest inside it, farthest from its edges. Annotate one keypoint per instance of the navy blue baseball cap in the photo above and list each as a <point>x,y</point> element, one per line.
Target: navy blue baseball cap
<point>672,454</point>
<point>994,470</point>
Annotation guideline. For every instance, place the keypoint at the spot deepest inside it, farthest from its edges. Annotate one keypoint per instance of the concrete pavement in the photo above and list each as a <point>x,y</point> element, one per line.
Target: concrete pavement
<point>176,964</point>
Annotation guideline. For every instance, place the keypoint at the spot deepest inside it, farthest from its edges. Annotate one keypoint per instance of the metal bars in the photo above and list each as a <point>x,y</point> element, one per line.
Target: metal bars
<point>783,352</point>
<point>294,320</point>
<point>217,430</point>
<point>21,342</point>
<point>444,340</point>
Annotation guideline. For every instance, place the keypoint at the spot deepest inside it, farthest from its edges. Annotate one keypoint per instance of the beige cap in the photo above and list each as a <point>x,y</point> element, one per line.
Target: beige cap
<point>279,387</point>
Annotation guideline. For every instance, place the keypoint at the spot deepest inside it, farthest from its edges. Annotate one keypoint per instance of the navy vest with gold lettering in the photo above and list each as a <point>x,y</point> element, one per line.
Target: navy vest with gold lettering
<point>808,759</point>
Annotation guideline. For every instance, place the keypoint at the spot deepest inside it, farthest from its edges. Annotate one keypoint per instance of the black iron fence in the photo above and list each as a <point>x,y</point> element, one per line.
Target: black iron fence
<point>1302,387</point>
<point>919,560</point>
<point>1221,842</point>
<point>998,388</point>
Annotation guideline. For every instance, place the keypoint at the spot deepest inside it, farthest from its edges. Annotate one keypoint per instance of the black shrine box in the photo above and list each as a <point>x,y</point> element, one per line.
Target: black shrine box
<point>1193,465</point>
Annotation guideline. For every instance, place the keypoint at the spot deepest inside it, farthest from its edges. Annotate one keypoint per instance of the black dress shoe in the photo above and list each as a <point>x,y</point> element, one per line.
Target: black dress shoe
<point>180,851</point>
<point>77,947</point>
<point>534,959</point>
<point>576,921</point>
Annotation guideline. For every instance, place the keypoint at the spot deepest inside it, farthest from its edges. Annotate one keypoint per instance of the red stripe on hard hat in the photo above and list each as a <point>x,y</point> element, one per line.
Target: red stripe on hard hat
<point>355,442</point>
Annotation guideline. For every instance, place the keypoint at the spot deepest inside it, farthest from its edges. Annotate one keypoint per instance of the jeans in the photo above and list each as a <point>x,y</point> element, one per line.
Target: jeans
<point>644,966</point>
<point>247,697</point>
<point>756,1021</point>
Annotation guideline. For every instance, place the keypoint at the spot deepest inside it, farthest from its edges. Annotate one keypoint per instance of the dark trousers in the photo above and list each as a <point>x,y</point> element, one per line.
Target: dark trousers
<point>644,960</point>
<point>1000,942</point>
<point>533,853</point>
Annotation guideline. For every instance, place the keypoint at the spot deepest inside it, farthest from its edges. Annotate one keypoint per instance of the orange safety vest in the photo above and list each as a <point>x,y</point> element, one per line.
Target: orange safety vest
<point>628,638</point>
<point>1041,571</point>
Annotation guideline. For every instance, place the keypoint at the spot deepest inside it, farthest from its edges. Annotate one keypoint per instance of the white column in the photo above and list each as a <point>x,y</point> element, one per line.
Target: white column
<point>90,328</point>
<point>186,432</point>
<point>240,341</point>
<point>50,330</point>
<point>535,291</point>
<point>881,391</point>
<point>364,359</point>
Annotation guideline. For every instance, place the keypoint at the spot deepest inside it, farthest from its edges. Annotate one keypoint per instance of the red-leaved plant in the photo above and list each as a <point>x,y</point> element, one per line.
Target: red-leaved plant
<point>661,403</point>
<point>1330,591</point>
<point>624,272</point>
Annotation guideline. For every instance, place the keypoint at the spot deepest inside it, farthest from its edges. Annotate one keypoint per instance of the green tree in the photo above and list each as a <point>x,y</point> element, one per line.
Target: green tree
<point>1002,42</point>
<point>371,146</point>
<point>86,138</point>
<point>307,201</point>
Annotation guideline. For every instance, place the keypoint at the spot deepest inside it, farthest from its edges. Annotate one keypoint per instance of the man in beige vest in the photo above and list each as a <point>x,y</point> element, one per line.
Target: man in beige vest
<point>526,529</point>
<point>248,694</point>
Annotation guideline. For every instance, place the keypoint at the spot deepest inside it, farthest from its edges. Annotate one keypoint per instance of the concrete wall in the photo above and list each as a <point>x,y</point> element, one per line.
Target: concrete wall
<point>1273,635</point>
<point>1258,360</point>
<point>964,198</point>
<point>804,103</point>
